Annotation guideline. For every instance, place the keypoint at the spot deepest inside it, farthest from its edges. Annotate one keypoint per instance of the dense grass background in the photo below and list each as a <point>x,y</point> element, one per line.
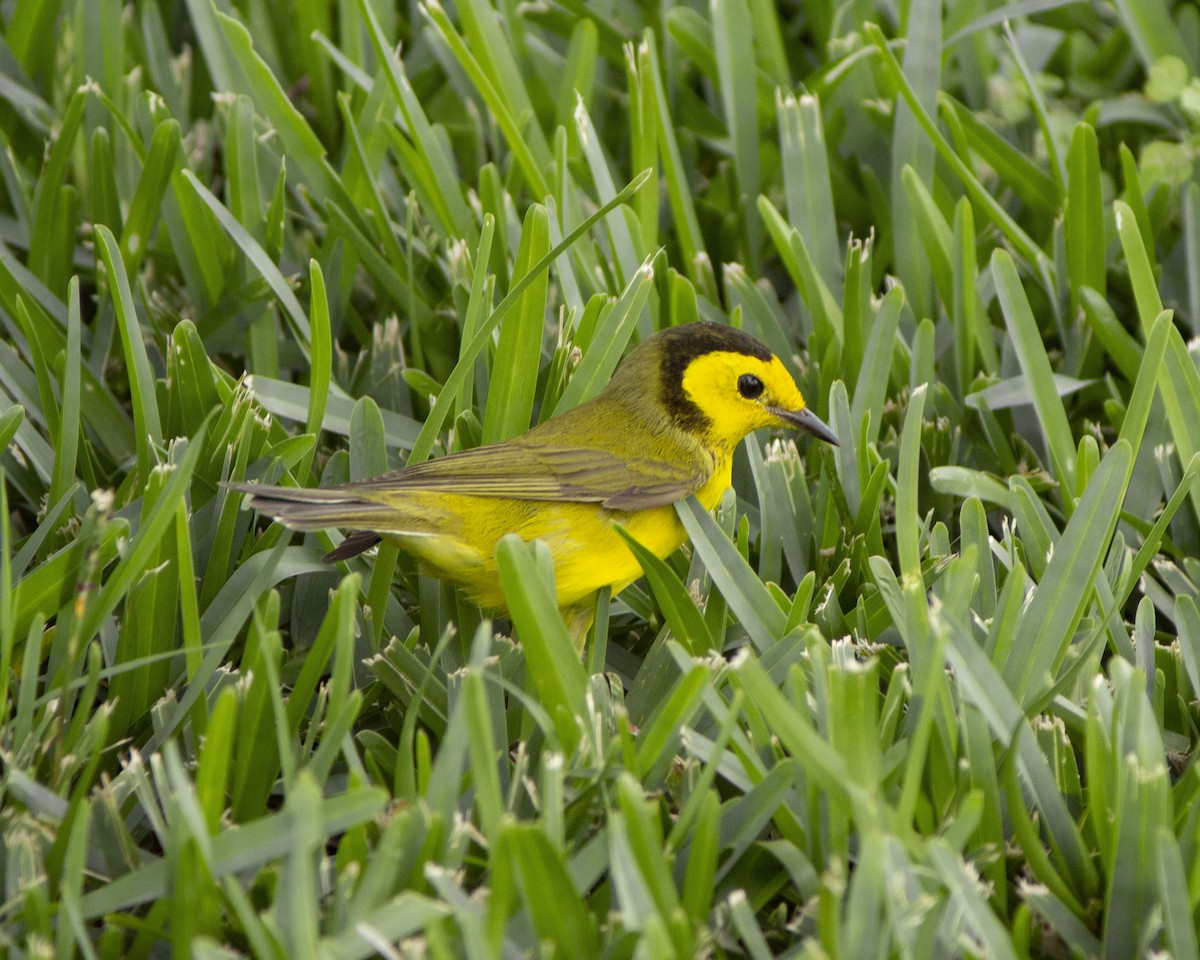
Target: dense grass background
<point>930,694</point>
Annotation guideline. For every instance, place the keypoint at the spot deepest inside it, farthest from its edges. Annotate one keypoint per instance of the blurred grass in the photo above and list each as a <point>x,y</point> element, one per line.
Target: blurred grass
<point>307,243</point>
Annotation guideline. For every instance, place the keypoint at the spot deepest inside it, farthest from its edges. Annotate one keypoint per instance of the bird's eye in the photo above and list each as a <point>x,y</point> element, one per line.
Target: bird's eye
<point>749,386</point>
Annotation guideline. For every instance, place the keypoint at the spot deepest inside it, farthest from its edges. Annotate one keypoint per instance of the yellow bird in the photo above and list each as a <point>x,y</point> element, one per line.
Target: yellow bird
<point>663,429</point>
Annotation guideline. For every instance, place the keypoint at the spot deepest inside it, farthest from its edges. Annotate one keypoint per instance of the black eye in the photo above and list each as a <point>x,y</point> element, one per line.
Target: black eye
<point>749,386</point>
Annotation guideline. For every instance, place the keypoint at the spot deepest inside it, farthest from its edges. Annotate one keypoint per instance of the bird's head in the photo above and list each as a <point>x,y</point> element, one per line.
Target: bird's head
<point>721,383</point>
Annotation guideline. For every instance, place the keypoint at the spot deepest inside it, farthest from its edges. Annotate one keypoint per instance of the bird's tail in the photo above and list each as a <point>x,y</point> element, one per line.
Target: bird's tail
<point>323,509</point>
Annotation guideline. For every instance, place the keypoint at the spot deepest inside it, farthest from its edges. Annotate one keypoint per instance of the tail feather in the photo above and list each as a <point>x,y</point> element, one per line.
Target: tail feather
<point>317,509</point>
<point>308,509</point>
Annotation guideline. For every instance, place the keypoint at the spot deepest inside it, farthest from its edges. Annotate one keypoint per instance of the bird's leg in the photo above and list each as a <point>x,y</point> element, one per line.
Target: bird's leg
<point>578,619</point>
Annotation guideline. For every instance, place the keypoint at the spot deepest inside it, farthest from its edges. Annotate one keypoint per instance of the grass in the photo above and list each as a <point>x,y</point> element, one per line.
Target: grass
<point>933,693</point>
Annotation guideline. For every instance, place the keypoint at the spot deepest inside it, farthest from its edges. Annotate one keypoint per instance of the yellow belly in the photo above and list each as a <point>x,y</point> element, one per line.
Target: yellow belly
<point>460,537</point>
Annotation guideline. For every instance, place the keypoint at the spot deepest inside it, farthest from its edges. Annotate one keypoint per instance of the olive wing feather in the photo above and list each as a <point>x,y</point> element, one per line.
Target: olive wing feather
<point>543,472</point>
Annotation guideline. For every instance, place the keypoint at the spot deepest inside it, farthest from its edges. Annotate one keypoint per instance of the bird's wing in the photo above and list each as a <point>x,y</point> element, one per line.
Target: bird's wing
<point>548,472</point>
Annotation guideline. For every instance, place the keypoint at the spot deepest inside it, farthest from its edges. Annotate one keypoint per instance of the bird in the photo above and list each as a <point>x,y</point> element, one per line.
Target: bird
<point>664,428</point>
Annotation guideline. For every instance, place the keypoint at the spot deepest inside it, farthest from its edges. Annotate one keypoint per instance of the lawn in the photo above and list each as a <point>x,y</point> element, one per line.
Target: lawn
<point>932,693</point>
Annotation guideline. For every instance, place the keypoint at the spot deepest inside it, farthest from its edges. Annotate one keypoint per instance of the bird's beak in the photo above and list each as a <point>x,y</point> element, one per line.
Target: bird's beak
<point>807,421</point>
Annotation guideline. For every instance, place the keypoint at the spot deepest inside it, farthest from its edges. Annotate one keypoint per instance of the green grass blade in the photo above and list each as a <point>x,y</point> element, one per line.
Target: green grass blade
<point>554,668</point>
<point>1153,32</point>
<point>908,520</point>
<point>518,354</point>
<point>465,366</point>
<point>734,40</point>
<point>806,181</point>
<point>739,585</point>
<point>1085,215</point>
<point>1051,617</point>
<point>146,423</point>
<point>911,150</point>
<point>1031,352</point>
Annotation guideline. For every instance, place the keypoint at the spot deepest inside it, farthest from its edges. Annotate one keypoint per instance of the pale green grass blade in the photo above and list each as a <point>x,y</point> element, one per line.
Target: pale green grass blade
<point>1191,226</point>
<point>643,122</point>
<point>1085,215</point>
<point>236,850</point>
<point>1018,171</point>
<point>734,41</point>
<point>1173,898</point>
<point>827,314</point>
<point>801,740</point>
<point>983,923</point>
<point>1137,414</point>
<point>146,423</point>
<point>291,402</point>
<point>683,616</point>
<point>625,252</point>
<point>1032,354</point>
<point>464,368</point>
<point>1066,588</point>
<point>447,198</point>
<point>554,668</point>
<point>739,585</point>
<point>1008,11</point>
<point>1180,389</point>
<point>488,800</point>
<point>321,373</point>
<point>384,228</point>
<point>858,305</point>
<point>530,153</point>
<point>52,196</point>
<point>932,231</point>
<point>255,78</point>
<point>70,381</point>
<point>1152,31</point>
<point>368,452</point>
<point>261,261</point>
<point>908,521</point>
<point>1050,145</point>
<point>557,911</point>
<point>912,150</point>
<point>479,300</point>
<point>612,336</point>
<point>876,366</point>
<point>146,205</point>
<point>1020,240</point>
<point>1122,349</point>
<point>679,192</point>
<point>806,182</point>
<point>518,353</point>
<point>10,421</point>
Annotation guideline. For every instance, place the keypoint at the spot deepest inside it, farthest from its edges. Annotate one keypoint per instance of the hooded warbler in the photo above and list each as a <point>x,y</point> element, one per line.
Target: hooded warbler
<point>664,428</point>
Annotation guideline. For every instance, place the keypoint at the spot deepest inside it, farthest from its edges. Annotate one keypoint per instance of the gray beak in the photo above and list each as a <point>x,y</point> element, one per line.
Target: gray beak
<point>807,421</point>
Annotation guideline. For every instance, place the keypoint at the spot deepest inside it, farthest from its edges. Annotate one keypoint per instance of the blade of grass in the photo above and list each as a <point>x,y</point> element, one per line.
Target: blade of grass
<point>1031,352</point>
<point>908,519</point>
<point>1065,591</point>
<point>466,362</point>
<point>806,181</point>
<point>734,40</point>
<point>146,424</point>
<point>554,668</point>
<point>739,585</point>
<point>513,386</point>
<point>1020,240</point>
<point>237,849</point>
